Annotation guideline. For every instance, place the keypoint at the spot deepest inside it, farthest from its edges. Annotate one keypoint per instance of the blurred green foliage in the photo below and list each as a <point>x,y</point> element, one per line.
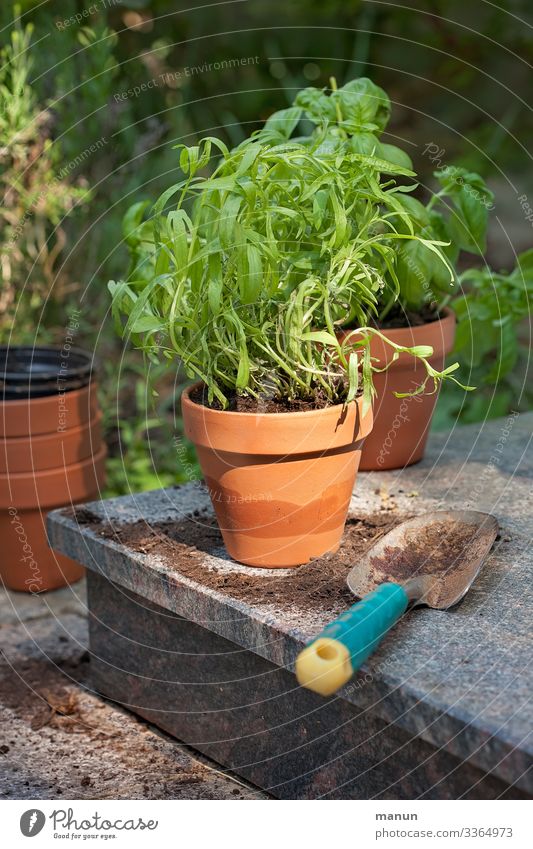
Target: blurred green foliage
<point>133,78</point>
<point>492,345</point>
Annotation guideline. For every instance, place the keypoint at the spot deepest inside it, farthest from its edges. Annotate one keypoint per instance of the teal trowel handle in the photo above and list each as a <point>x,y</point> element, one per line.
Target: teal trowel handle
<point>332,658</point>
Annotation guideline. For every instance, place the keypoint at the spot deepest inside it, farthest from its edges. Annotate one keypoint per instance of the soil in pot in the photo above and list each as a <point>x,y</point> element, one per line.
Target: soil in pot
<point>280,482</point>
<point>401,425</point>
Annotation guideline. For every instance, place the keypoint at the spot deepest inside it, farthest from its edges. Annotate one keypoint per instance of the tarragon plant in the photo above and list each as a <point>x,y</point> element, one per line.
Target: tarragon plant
<point>246,274</point>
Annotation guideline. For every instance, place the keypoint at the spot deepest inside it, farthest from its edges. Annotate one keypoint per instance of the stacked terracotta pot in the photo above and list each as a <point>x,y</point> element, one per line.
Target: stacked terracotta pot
<point>51,455</point>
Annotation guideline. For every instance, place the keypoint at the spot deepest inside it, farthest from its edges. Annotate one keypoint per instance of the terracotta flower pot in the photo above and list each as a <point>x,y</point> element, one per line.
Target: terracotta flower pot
<point>51,414</point>
<point>26,561</point>
<point>51,455</point>
<point>401,425</point>
<point>280,483</point>
<point>48,450</point>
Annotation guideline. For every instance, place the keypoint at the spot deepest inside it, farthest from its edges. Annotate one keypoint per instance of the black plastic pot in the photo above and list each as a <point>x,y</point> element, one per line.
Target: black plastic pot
<point>28,372</point>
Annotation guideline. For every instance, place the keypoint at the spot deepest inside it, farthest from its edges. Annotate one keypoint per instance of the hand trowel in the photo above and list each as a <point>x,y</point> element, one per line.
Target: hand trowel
<point>429,560</point>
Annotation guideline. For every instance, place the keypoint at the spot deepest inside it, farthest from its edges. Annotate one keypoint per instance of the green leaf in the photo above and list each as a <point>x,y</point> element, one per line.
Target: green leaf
<point>146,323</point>
<point>163,260</point>
<point>364,142</point>
<point>178,221</point>
<point>353,376</point>
<point>131,221</point>
<point>368,385</point>
<point>471,199</point>
<point>228,218</point>
<point>381,165</point>
<point>320,204</point>
<point>507,355</point>
<point>415,210</point>
<point>317,106</point>
<point>413,273</point>
<point>253,276</point>
<point>391,153</point>
<point>215,283</point>
<point>524,263</point>
<point>363,102</point>
<point>321,336</point>
<point>243,372</point>
<point>285,121</point>
<point>184,159</point>
<point>468,222</point>
<point>250,155</point>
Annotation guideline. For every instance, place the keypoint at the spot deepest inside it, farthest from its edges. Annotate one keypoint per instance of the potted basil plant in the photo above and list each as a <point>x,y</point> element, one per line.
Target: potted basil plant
<point>244,276</point>
<point>418,279</point>
<point>421,313</point>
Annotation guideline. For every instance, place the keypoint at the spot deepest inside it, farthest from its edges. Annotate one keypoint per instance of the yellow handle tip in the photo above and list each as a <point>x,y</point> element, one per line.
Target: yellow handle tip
<point>324,666</point>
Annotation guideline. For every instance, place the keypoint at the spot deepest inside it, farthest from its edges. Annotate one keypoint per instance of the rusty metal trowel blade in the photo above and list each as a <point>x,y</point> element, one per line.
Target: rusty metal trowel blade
<point>436,556</point>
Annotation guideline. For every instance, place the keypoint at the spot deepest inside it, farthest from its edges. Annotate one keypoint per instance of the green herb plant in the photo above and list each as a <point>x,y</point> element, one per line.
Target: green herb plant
<point>247,274</point>
<point>454,217</point>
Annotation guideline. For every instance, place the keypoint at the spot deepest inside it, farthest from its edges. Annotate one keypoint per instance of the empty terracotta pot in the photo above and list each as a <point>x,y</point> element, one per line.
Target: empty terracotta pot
<point>55,413</point>
<point>51,454</point>
<point>48,450</point>
<point>280,483</point>
<point>27,563</point>
<point>401,425</point>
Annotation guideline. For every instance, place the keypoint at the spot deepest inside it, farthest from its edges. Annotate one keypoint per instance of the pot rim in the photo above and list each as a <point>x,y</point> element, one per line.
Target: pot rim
<point>275,434</point>
<point>83,369</point>
<point>44,400</point>
<point>447,314</point>
<point>439,334</point>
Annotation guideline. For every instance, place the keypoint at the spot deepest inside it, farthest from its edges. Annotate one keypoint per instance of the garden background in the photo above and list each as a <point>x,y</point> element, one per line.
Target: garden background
<point>95,94</point>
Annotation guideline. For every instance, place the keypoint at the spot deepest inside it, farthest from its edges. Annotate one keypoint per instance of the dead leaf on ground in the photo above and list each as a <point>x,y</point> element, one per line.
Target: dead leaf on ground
<point>58,705</point>
<point>64,703</point>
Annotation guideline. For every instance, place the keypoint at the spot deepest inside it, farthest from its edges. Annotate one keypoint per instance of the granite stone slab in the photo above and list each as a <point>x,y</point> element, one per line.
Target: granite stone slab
<point>456,680</point>
<point>247,713</point>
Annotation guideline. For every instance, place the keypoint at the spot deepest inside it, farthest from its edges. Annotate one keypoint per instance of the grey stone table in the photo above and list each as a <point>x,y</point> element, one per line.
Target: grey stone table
<point>442,709</point>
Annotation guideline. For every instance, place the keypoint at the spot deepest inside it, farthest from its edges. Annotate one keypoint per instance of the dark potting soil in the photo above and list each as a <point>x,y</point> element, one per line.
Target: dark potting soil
<point>399,317</point>
<point>247,404</point>
<point>320,584</point>
<point>439,551</point>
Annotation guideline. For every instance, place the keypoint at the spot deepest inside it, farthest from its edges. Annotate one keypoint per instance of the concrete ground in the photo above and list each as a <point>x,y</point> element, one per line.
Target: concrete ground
<point>58,739</point>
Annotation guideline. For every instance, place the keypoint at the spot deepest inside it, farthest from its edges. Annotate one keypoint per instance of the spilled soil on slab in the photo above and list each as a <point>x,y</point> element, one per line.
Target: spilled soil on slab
<point>181,546</point>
